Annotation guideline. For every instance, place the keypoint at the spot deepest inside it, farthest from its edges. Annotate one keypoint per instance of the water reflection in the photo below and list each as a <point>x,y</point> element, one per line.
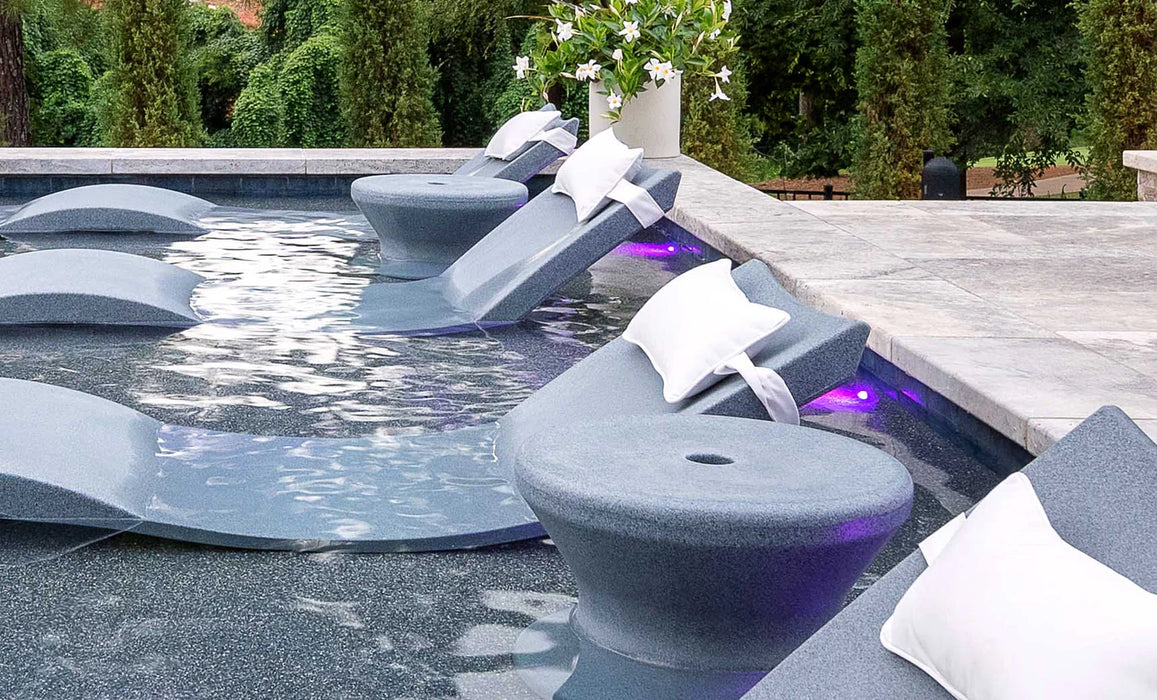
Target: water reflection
<point>278,354</point>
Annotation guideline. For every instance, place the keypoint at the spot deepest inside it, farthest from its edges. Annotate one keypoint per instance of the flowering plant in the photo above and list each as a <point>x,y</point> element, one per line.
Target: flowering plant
<point>632,45</point>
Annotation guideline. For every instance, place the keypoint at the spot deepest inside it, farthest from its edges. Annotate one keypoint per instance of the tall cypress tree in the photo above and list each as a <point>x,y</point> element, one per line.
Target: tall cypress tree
<point>154,87</point>
<point>902,80</point>
<point>1121,49</point>
<point>387,81</point>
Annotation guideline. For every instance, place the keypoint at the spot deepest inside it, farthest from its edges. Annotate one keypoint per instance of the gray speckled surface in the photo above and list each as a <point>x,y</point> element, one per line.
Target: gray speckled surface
<point>513,269</point>
<point>1098,486</point>
<point>426,222</point>
<point>95,287</point>
<point>136,617</point>
<point>110,209</point>
<point>706,542</point>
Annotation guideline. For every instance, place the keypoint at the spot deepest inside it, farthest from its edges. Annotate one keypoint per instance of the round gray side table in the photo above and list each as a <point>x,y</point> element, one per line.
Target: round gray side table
<point>426,222</point>
<point>705,548</point>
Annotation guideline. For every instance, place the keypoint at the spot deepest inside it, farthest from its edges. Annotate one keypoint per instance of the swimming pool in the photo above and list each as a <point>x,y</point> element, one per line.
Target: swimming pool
<point>129,616</point>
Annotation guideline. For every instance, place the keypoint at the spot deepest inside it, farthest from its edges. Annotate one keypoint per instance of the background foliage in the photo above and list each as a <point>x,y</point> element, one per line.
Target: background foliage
<point>902,81</point>
<point>154,98</point>
<point>1121,41</point>
<point>386,76</point>
<point>1025,83</point>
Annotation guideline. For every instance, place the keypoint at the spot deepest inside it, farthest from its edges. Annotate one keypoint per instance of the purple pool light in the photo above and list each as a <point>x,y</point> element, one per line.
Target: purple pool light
<point>914,397</point>
<point>856,397</point>
<point>664,249</point>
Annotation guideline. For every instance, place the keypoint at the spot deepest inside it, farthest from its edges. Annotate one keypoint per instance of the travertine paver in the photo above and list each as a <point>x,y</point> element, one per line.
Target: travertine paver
<point>1029,315</point>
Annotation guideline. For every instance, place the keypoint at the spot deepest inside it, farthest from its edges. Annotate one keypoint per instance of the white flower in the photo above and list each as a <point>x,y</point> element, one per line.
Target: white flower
<point>617,55</point>
<point>614,101</point>
<point>660,70</point>
<point>565,30</point>
<point>630,31</point>
<point>724,74</point>
<point>719,94</point>
<point>588,71</point>
<point>726,10</point>
<point>632,2</point>
<point>522,66</point>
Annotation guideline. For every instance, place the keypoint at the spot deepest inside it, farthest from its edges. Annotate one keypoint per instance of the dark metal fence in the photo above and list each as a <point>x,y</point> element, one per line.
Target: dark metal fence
<point>827,193</point>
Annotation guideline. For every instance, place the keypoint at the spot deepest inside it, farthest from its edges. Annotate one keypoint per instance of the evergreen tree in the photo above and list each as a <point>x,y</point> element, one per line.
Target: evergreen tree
<point>155,91</point>
<point>1121,51</point>
<point>718,133</point>
<point>902,80</point>
<point>387,81</point>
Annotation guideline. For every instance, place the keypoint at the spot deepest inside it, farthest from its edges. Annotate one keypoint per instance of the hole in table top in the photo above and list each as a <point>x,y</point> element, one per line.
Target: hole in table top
<point>710,459</point>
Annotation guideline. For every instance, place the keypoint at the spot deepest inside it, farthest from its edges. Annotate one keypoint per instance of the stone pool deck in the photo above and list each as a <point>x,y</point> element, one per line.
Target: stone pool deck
<point>1029,315</point>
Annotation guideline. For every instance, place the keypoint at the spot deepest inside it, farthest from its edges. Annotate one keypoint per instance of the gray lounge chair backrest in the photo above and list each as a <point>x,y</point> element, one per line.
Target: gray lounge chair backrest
<point>541,247</point>
<point>94,287</point>
<point>1099,488</point>
<point>527,164</point>
<point>814,353</point>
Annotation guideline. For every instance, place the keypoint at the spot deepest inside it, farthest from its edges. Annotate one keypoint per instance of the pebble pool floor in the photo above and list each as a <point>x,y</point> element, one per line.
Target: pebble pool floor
<point>90,615</point>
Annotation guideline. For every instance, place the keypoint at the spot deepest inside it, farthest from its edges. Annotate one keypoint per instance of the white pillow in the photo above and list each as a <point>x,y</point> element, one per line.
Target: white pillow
<point>515,135</point>
<point>592,171</point>
<point>1010,611</point>
<point>700,327</point>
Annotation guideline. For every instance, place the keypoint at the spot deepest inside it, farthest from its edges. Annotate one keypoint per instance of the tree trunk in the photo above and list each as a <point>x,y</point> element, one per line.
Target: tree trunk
<point>13,91</point>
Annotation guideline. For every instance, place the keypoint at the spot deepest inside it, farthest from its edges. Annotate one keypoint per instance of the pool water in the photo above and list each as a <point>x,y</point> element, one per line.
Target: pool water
<point>85,615</point>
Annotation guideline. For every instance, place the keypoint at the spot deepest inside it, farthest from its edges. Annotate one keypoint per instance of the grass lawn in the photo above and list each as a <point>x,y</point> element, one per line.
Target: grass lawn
<point>991,162</point>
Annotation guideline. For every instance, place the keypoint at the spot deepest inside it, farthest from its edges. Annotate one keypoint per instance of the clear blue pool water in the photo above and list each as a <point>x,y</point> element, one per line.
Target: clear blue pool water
<point>128,616</point>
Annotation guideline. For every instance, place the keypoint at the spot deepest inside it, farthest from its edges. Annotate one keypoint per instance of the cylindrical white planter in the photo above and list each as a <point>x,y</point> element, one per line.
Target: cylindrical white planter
<point>651,121</point>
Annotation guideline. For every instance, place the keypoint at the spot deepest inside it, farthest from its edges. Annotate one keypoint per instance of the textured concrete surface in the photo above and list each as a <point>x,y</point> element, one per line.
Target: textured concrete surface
<point>426,222</point>
<point>651,512</point>
<point>1145,163</point>
<point>232,161</point>
<point>1028,314</point>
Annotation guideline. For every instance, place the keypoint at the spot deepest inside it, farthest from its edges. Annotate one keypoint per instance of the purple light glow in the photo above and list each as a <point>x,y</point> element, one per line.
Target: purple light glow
<point>908,393</point>
<point>858,529</point>
<point>667,249</point>
<point>856,397</point>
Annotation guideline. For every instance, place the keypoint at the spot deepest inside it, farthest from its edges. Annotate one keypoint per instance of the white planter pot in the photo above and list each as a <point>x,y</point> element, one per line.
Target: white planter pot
<point>651,121</point>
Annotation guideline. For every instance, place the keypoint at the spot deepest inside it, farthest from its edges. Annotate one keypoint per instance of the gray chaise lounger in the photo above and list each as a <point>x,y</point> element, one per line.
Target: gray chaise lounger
<point>94,287</point>
<point>511,270</point>
<point>70,457</point>
<point>1099,488</point>
<point>110,209</point>
<point>527,164</point>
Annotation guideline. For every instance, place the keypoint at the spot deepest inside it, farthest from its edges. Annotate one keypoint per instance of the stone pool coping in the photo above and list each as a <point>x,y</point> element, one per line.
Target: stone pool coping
<point>903,267</point>
<point>1145,163</point>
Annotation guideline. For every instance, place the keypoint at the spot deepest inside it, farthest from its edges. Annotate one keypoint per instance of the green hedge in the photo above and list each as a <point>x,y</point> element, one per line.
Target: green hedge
<point>310,94</point>
<point>154,90</point>
<point>902,79</point>
<point>387,82</point>
<point>224,53</point>
<point>62,109</point>
<point>259,113</point>
<point>1121,49</point>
